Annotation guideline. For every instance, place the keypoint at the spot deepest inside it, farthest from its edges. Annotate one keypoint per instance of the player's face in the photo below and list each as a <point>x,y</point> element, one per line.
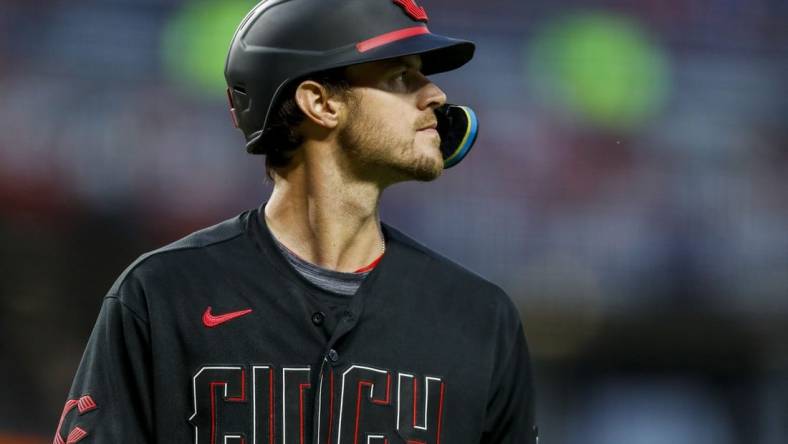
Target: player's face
<point>390,134</point>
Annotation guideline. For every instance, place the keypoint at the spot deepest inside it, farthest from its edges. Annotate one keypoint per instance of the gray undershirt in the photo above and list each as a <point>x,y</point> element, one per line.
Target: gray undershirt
<point>337,282</point>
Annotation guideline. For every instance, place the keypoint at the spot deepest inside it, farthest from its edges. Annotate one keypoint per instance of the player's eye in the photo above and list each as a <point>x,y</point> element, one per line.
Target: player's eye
<point>402,79</point>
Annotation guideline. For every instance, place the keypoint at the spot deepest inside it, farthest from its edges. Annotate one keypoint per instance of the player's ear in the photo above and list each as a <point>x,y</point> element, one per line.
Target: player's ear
<point>318,105</point>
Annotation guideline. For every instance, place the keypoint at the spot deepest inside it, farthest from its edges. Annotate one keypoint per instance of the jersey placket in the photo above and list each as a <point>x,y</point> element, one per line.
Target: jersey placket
<point>333,354</point>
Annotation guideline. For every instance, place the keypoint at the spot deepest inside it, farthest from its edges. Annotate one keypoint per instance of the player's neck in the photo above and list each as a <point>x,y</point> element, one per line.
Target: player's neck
<point>324,218</point>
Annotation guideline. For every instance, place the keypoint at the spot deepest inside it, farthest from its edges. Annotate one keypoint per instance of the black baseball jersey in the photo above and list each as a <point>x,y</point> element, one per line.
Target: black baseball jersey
<point>216,339</point>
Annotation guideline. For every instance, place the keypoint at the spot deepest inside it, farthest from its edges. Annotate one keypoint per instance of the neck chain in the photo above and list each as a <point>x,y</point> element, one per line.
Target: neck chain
<point>382,241</point>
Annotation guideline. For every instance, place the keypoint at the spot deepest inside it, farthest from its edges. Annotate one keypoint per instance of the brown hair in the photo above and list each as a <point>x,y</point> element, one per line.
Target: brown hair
<point>283,138</point>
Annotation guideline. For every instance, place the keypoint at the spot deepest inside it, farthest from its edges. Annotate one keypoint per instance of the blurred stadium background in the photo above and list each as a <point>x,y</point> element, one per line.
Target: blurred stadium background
<point>629,190</point>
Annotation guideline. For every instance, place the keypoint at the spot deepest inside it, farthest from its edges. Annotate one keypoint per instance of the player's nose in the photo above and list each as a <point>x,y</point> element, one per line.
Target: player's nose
<point>430,95</point>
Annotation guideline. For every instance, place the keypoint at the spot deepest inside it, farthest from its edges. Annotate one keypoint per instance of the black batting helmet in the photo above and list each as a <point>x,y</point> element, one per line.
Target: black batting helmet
<point>281,41</point>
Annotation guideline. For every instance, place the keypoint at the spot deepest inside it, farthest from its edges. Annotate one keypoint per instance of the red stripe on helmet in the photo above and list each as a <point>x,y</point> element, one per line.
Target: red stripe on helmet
<point>390,37</point>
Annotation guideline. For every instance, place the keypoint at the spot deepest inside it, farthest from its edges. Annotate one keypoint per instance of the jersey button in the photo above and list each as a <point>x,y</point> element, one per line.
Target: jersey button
<point>349,316</point>
<point>318,317</point>
<point>333,356</point>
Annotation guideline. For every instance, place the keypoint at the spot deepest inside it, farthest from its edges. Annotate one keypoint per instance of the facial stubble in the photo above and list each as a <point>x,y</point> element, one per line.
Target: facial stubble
<point>378,151</point>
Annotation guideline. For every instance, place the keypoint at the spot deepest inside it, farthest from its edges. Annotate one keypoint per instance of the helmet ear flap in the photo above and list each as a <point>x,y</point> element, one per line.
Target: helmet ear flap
<point>458,128</point>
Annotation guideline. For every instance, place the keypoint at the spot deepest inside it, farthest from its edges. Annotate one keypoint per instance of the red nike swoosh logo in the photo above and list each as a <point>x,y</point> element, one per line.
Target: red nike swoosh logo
<point>210,321</point>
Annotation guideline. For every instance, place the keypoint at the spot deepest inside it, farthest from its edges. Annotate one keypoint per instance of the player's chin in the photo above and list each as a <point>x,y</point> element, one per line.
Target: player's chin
<point>427,166</point>
<point>424,170</point>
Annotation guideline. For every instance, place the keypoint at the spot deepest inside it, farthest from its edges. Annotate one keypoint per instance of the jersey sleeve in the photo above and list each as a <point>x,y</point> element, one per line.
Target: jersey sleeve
<point>109,400</point>
<point>510,417</point>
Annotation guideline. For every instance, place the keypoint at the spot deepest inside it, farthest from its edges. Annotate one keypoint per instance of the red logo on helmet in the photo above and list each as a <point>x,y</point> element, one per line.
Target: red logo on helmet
<point>412,9</point>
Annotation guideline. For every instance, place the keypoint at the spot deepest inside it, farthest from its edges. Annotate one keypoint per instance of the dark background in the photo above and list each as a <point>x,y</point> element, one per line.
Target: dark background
<point>628,189</point>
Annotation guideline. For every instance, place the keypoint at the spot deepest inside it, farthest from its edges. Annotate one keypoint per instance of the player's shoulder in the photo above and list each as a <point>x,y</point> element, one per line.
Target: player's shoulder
<point>445,272</point>
<point>213,242</point>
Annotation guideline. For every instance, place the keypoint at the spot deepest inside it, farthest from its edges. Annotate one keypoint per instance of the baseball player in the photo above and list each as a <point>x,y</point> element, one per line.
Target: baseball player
<point>307,319</point>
